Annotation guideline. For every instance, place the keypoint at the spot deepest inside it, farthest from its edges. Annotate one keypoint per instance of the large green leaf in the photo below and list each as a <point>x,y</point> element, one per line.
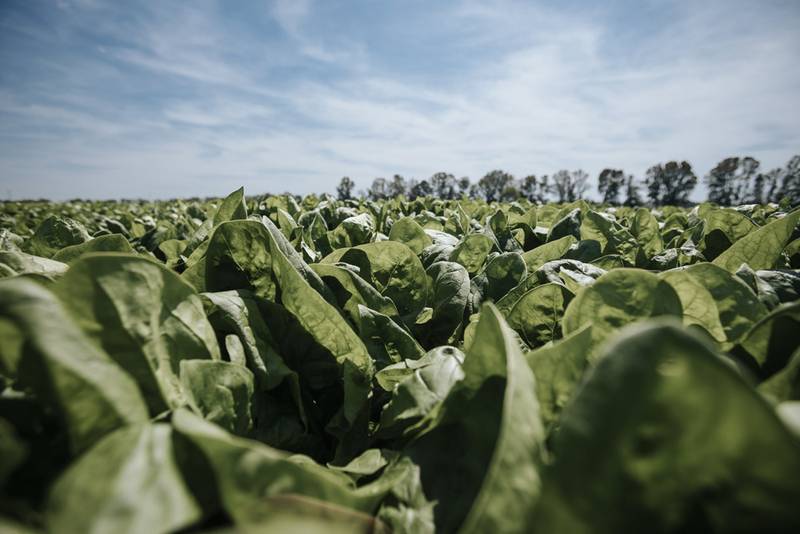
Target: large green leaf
<point>408,231</point>
<point>386,341</point>
<point>644,227</point>
<point>554,250</point>
<point>472,252</point>
<point>537,315</point>
<point>715,300</point>
<point>88,390</point>
<point>648,446</point>
<point>352,291</point>
<point>558,368</point>
<point>617,298</point>
<point>222,391</point>
<point>104,243</point>
<point>761,248</point>
<point>144,316</point>
<point>129,482</point>
<point>330,330</point>
<point>55,233</point>
<point>393,269</point>
<point>13,263</point>
<point>490,482</point>
<point>246,472</point>
<point>417,386</point>
<point>238,313</point>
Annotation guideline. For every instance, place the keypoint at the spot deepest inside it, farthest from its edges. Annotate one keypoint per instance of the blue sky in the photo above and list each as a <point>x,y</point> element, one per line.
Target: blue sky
<point>161,99</point>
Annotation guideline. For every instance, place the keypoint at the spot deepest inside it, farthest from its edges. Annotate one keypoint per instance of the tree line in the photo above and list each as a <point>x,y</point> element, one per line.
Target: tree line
<point>733,181</point>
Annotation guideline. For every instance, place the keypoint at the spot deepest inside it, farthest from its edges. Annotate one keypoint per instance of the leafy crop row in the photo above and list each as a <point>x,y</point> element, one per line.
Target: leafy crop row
<point>269,365</point>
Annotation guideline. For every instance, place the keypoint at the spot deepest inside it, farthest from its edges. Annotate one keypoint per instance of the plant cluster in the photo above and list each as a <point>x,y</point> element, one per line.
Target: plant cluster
<point>273,365</point>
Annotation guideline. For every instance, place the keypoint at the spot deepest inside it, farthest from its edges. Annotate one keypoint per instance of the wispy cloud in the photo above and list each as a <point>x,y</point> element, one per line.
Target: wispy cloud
<point>114,99</point>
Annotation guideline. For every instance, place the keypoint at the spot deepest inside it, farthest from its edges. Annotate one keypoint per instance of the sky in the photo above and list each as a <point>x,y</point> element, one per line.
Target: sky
<point>168,99</point>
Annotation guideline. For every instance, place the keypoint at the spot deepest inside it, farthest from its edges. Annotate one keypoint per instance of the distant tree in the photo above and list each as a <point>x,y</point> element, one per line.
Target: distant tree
<point>444,185</point>
<point>789,190</point>
<point>492,185</point>
<point>510,193</point>
<point>670,184</point>
<point>345,188</point>
<point>545,188</point>
<point>463,185</point>
<point>768,184</point>
<point>570,186</point>
<point>379,189</point>
<point>474,191</point>
<point>420,189</point>
<point>735,181</point>
<point>632,198</point>
<point>609,184</point>
<point>529,187</point>
<point>397,186</point>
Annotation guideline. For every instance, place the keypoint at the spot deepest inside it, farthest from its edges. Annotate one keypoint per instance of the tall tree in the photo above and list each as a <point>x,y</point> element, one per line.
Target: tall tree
<point>345,188</point>
<point>534,189</point>
<point>670,184</point>
<point>491,186</point>
<point>789,191</point>
<point>379,189</point>
<point>463,185</point>
<point>397,186</point>
<point>735,181</point>
<point>419,189</point>
<point>529,187</point>
<point>609,184</point>
<point>570,186</point>
<point>444,185</point>
<point>632,198</point>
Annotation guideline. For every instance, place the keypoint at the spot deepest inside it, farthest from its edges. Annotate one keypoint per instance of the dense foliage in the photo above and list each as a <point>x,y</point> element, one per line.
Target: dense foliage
<point>315,365</point>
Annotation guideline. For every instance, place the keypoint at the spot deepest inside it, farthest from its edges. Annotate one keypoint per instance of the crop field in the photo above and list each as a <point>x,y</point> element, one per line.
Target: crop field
<point>314,365</point>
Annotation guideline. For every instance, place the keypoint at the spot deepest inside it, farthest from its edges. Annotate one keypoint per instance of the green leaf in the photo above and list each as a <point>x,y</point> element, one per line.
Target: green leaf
<point>129,482</point>
<point>144,316</point>
<point>472,252</point>
<point>221,391</point>
<point>352,291</point>
<point>406,230</point>
<point>785,384</point>
<point>393,269</point>
<point>714,299</point>
<point>21,263</point>
<point>644,227</point>
<point>238,313</point>
<point>246,472</point>
<point>554,250</point>
<point>451,286</point>
<point>568,225</point>
<point>238,257</point>
<point>490,482</point>
<point>648,446</point>
<point>773,339</point>
<point>761,248</point>
<point>55,233</point>
<point>417,386</point>
<point>331,331</point>
<point>558,368</point>
<point>90,392</point>
<point>386,341</point>
<point>618,298</point>
<point>537,315</point>
<point>104,243</point>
